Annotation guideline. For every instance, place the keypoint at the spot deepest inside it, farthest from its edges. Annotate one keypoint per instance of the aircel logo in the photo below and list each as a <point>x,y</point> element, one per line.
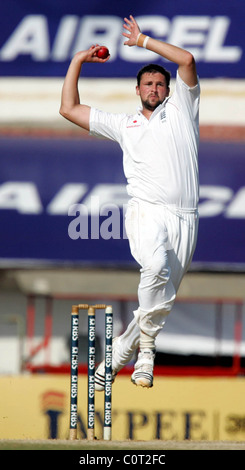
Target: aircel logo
<point>24,198</point>
<point>204,36</point>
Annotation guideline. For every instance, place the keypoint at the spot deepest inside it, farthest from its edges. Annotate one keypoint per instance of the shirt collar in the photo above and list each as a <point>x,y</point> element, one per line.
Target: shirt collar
<point>156,111</point>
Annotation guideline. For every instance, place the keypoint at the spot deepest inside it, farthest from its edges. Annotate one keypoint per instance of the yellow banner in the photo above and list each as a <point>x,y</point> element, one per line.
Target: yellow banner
<point>37,407</point>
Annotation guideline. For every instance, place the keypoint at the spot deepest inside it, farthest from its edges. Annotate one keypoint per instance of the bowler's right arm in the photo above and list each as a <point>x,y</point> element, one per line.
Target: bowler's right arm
<point>71,108</point>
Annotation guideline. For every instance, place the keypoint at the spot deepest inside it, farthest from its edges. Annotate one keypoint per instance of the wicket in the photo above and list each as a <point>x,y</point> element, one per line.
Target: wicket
<point>91,370</point>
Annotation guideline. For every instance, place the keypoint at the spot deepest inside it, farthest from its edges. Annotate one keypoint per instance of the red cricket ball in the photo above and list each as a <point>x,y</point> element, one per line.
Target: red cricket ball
<point>103,52</point>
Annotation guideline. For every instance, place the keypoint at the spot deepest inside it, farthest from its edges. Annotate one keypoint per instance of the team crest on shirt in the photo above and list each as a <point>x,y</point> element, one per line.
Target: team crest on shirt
<point>163,116</point>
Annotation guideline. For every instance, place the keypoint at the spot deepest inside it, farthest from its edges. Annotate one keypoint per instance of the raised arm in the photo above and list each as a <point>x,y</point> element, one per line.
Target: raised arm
<point>181,57</point>
<point>71,108</point>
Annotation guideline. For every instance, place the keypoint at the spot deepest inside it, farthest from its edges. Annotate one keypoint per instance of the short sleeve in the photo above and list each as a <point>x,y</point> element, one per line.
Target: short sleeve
<point>108,125</point>
<point>187,98</point>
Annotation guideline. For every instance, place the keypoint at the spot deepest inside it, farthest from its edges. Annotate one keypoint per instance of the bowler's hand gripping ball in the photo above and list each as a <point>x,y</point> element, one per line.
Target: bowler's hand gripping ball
<point>103,52</point>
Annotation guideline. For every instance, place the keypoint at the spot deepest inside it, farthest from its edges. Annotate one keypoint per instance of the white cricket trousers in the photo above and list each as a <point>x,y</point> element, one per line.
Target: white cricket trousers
<point>162,240</point>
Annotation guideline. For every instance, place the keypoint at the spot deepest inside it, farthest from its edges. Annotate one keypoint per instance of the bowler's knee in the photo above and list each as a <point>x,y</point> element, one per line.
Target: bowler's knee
<point>159,271</point>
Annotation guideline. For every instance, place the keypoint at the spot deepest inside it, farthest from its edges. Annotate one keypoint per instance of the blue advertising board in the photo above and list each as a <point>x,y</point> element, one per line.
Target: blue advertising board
<point>62,201</point>
<point>40,38</point>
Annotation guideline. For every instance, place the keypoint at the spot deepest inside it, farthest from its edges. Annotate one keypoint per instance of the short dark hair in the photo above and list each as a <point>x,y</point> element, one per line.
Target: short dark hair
<point>154,68</point>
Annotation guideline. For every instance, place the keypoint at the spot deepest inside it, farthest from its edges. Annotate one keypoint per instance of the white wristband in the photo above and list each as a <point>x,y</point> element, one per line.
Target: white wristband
<point>145,41</point>
<point>137,39</point>
<point>142,40</point>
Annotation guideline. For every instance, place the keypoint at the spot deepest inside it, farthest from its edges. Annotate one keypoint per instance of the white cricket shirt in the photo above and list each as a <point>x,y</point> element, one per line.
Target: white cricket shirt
<point>160,155</point>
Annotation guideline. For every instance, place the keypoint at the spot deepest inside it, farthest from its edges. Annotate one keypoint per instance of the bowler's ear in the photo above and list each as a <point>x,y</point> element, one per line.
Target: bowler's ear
<point>137,90</point>
<point>168,92</point>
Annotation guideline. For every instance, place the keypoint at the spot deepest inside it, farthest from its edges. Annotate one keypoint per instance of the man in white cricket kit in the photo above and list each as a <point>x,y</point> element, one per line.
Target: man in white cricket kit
<point>160,160</point>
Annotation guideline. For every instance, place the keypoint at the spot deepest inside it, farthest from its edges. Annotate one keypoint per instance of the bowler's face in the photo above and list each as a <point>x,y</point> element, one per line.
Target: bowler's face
<point>152,90</point>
